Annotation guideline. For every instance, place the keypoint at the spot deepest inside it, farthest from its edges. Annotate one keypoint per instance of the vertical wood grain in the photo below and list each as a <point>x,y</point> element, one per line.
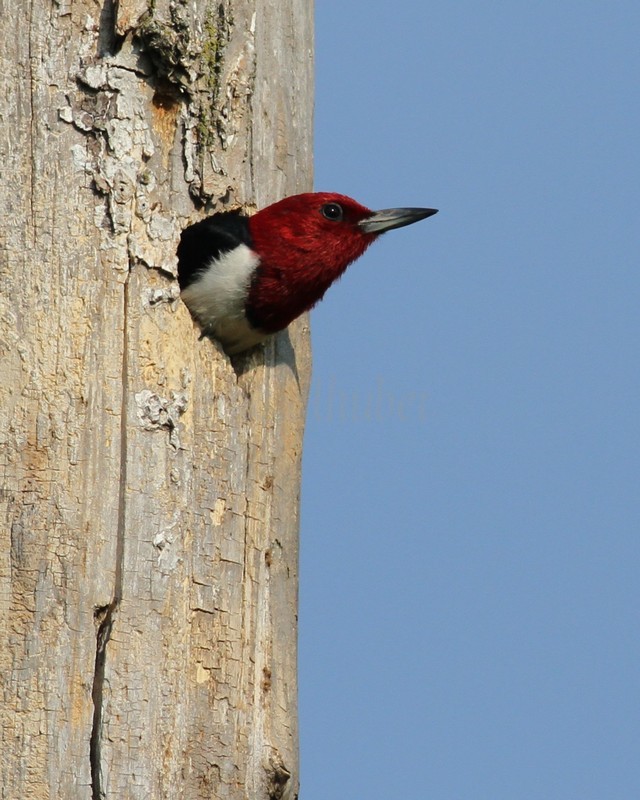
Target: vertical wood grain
<point>149,487</point>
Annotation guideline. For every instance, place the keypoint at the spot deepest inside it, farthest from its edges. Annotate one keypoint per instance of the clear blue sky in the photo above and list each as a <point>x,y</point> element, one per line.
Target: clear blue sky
<point>470,601</point>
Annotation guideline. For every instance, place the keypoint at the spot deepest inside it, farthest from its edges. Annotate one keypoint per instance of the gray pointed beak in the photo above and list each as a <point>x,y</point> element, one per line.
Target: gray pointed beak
<point>390,218</point>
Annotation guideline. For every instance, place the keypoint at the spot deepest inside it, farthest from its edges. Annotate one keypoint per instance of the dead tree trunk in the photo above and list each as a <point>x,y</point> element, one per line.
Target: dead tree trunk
<point>149,487</point>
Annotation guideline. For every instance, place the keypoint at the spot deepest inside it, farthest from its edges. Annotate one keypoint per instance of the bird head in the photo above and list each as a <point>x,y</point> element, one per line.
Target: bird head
<point>307,241</point>
<point>323,230</point>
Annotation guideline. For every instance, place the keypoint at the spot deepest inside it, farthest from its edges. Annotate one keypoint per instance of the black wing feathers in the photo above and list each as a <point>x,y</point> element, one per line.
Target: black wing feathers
<point>203,242</point>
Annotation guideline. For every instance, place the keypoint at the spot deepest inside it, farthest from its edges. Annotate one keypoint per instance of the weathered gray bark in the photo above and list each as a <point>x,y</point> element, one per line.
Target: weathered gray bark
<point>149,487</point>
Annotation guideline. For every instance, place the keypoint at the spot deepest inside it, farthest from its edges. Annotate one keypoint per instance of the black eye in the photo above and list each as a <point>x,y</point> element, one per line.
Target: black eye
<point>332,211</point>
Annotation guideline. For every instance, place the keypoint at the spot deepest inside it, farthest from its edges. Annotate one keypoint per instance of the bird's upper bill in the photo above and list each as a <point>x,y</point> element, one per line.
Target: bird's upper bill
<point>390,218</point>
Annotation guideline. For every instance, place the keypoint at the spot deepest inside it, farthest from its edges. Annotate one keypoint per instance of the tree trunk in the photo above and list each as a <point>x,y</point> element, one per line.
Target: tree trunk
<point>148,531</point>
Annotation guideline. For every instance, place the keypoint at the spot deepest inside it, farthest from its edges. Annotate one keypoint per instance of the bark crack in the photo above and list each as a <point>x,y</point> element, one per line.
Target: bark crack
<point>32,127</point>
<point>104,616</point>
<point>109,42</point>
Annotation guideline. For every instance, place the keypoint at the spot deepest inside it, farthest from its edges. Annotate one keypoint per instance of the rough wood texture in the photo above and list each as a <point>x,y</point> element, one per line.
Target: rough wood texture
<point>149,487</point>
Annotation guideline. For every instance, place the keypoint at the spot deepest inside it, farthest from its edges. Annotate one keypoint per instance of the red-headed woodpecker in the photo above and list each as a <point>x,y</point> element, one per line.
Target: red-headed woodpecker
<point>244,278</point>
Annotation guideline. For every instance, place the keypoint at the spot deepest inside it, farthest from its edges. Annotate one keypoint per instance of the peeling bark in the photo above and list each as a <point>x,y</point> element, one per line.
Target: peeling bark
<point>149,489</point>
